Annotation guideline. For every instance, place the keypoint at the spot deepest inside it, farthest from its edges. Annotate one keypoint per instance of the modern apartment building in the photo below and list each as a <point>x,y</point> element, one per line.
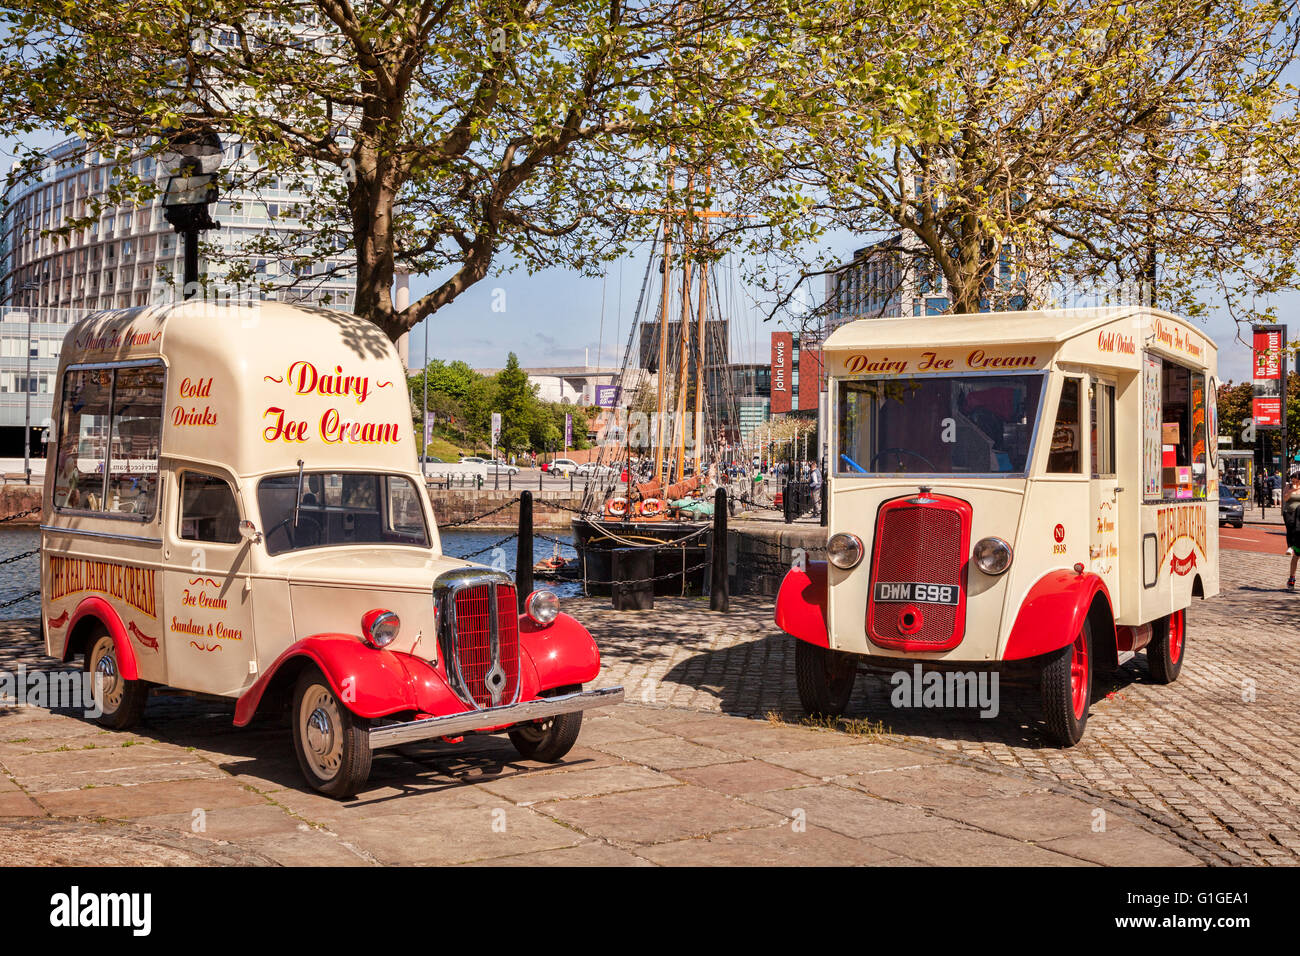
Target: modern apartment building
<point>894,278</point>
<point>127,256</point>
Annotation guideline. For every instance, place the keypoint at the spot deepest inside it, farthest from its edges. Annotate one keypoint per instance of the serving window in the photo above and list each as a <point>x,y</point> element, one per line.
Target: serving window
<point>1175,416</point>
<point>110,437</point>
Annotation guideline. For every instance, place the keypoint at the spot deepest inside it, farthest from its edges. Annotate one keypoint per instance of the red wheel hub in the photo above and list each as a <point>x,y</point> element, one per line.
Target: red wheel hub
<point>1079,676</point>
<point>1177,627</point>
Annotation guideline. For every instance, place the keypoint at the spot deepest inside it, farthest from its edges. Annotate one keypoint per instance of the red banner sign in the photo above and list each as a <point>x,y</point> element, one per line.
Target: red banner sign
<point>810,378</point>
<point>1266,404</point>
<point>782,371</point>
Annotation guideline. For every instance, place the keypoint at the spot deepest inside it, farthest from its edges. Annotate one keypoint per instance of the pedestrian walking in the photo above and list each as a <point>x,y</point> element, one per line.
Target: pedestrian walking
<point>815,479</point>
<point>1291,518</point>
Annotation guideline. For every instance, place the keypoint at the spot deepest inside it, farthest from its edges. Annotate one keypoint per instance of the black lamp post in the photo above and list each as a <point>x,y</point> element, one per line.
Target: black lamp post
<point>192,160</point>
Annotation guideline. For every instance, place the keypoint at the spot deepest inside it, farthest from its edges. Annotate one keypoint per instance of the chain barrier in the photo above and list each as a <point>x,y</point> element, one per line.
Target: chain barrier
<point>19,557</point>
<point>486,514</point>
<point>21,514</point>
<point>680,573</point>
<point>21,598</point>
<point>494,545</point>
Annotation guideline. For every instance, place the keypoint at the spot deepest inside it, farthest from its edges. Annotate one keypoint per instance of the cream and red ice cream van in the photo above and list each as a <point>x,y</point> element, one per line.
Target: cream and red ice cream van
<point>1033,492</point>
<point>234,509</point>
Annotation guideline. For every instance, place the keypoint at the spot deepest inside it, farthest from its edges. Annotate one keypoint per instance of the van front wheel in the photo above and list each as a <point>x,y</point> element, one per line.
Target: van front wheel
<point>551,739</point>
<point>825,679</point>
<point>1067,689</point>
<point>332,744</point>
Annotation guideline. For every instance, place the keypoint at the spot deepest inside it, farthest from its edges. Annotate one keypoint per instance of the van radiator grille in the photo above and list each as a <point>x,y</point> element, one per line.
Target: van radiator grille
<point>917,545</point>
<point>473,637</point>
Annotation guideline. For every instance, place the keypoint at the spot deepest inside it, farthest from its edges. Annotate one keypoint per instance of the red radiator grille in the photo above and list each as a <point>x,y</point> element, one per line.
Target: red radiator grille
<point>926,544</point>
<point>474,640</point>
<point>508,640</point>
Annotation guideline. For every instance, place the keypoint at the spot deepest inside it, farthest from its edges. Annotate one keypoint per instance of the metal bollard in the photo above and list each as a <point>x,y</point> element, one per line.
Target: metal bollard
<point>718,582</point>
<point>524,550</point>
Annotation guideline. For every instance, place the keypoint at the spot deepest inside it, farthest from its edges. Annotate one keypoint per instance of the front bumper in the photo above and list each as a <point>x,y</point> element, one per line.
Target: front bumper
<point>393,735</point>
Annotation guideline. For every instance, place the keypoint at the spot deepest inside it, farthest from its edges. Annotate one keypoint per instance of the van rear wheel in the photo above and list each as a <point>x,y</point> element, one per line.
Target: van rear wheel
<point>1066,689</point>
<point>332,744</point>
<point>1167,649</point>
<point>120,700</point>
<point>825,679</point>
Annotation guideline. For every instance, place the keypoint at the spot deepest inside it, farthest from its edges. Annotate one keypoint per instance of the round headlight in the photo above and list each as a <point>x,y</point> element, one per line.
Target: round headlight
<point>992,555</point>
<point>844,550</point>
<point>379,627</point>
<point>542,607</point>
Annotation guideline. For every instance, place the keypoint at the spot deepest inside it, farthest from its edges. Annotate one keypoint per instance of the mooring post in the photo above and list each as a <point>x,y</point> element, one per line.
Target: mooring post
<point>524,550</point>
<point>718,583</point>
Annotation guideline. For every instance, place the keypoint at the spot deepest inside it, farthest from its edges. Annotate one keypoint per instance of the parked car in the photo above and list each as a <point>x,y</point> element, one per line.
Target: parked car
<point>1231,511</point>
<point>591,469</point>
<point>501,467</point>
<point>563,467</point>
<point>472,460</point>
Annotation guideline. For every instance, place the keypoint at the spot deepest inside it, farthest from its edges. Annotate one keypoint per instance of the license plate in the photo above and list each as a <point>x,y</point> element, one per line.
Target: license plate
<point>916,592</point>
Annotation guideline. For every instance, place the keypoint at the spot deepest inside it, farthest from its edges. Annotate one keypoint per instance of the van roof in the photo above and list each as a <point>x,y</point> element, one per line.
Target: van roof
<point>988,328</point>
<point>255,386</point>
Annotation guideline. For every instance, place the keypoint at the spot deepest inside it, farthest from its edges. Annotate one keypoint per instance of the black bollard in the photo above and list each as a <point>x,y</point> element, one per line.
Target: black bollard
<point>524,551</point>
<point>718,583</point>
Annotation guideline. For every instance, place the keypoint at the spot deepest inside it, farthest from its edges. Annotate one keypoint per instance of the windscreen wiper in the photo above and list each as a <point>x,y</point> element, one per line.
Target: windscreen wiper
<point>297,505</point>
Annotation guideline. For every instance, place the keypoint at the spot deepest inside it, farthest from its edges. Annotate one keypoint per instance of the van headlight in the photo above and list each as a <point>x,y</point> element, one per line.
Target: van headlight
<point>542,607</point>
<point>379,627</point>
<point>992,555</point>
<point>844,550</point>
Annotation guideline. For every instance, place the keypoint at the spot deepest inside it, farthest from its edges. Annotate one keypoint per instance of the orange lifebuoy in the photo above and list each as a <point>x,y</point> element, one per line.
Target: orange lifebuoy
<point>653,507</point>
<point>616,507</point>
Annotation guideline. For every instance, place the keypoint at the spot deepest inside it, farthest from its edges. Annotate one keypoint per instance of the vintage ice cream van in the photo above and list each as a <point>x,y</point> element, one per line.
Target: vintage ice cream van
<point>1032,492</point>
<point>235,510</point>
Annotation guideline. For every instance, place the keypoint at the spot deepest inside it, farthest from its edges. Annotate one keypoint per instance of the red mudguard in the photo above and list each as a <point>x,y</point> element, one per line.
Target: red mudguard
<point>801,604</point>
<point>561,654</point>
<point>375,682</point>
<point>1052,613</point>
<point>97,607</point>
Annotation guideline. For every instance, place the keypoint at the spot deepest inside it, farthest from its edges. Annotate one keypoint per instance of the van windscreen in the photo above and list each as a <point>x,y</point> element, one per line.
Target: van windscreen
<point>937,425</point>
<point>340,508</point>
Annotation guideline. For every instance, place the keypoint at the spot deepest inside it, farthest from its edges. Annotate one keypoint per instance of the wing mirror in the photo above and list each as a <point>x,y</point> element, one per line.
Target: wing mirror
<point>248,531</point>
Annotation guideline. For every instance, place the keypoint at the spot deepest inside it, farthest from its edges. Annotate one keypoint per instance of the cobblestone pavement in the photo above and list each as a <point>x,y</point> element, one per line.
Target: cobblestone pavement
<point>647,785</point>
<point>1213,755</point>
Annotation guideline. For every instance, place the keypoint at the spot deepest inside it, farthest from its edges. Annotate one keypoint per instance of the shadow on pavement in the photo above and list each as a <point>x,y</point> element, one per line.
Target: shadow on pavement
<point>1016,723</point>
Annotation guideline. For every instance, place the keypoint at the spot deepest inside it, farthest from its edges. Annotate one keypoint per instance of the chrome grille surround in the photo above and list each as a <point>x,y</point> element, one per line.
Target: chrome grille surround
<point>492,681</point>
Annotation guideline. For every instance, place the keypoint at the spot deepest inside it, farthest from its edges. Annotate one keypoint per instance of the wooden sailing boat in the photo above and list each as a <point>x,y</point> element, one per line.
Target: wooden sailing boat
<point>665,509</point>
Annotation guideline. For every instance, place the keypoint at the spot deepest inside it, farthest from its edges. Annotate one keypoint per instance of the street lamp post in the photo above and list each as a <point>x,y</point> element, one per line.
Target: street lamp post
<point>192,159</point>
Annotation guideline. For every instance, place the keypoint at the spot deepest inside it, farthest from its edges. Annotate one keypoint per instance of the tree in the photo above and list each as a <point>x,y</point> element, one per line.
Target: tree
<point>516,400</point>
<point>449,136</point>
<point>1234,405</point>
<point>1062,143</point>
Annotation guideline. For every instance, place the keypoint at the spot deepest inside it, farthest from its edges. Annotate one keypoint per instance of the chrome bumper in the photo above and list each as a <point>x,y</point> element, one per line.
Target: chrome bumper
<point>456,724</point>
